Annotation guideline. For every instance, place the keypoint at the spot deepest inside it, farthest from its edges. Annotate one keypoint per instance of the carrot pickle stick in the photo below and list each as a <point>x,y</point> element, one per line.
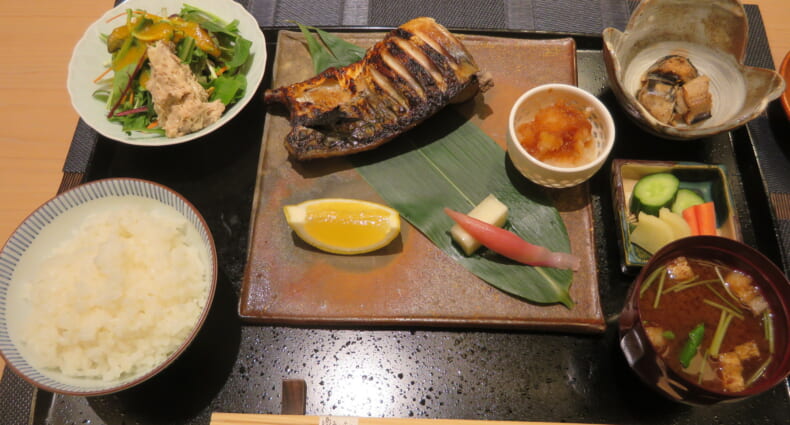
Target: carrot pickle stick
<point>510,245</point>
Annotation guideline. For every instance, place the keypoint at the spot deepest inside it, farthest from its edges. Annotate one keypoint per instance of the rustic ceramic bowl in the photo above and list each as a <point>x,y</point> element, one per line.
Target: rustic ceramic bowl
<point>548,175</point>
<point>713,35</point>
<point>651,367</point>
<point>31,247</point>
<point>784,69</point>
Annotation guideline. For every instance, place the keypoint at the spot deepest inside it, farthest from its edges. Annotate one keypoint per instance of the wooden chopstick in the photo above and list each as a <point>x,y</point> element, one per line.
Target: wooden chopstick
<point>261,419</point>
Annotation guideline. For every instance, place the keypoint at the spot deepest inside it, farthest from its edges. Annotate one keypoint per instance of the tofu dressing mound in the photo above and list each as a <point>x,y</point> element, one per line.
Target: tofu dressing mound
<point>118,296</point>
<point>181,103</point>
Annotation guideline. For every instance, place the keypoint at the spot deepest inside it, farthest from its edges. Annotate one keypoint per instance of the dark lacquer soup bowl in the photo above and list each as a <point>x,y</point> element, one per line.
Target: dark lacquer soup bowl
<point>706,321</point>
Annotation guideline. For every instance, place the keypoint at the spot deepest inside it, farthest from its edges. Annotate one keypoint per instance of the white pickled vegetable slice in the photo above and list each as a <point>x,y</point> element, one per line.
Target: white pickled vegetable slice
<point>680,228</point>
<point>651,233</point>
<point>490,210</point>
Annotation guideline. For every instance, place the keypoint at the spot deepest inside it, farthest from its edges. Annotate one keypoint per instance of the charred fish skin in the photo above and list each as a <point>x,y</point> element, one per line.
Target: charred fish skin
<point>417,69</point>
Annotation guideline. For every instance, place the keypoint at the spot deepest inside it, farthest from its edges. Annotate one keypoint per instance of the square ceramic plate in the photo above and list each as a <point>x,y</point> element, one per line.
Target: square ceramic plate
<point>708,180</point>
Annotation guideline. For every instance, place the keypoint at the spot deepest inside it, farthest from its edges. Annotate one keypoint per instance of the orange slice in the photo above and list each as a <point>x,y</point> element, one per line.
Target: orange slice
<point>343,226</point>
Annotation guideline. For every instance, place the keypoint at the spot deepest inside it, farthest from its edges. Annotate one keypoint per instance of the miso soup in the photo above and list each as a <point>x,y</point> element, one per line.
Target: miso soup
<point>709,322</point>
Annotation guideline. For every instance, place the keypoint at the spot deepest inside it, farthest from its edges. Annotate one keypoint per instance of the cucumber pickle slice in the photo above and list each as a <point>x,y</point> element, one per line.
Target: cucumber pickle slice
<point>684,199</point>
<point>653,192</point>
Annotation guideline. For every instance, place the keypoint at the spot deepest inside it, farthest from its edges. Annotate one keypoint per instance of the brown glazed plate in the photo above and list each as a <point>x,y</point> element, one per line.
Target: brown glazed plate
<point>411,282</point>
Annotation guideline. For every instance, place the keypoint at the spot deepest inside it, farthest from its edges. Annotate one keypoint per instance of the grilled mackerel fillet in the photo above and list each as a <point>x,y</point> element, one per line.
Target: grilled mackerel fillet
<point>416,70</point>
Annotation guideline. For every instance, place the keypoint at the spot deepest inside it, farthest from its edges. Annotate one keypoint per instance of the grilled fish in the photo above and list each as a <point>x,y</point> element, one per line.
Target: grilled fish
<point>417,69</point>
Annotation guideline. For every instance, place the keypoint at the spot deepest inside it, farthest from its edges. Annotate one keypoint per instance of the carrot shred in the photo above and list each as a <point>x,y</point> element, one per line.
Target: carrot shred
<point>689,214</point>
<point>112,18</point>
<point>102,74</point>
<point>222,70</point>
<point>706,217</point>
<point>115,17</point>
<point>153,124</point>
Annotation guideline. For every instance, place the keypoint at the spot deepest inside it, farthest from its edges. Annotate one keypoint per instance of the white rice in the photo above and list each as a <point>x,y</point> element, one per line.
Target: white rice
<point>118,296</point>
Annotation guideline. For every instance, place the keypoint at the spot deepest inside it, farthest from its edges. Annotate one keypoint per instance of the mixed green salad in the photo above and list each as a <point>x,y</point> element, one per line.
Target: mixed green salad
<point>214,50</point>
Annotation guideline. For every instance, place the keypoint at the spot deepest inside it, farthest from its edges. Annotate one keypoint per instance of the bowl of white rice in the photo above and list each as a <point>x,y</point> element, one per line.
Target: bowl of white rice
<point>104,286</point>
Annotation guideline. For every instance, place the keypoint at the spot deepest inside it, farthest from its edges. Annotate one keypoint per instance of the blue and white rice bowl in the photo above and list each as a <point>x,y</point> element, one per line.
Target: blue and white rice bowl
<point>34,244</point>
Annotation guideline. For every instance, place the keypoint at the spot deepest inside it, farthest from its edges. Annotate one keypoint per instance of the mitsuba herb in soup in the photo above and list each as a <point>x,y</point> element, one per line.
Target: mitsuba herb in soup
<point>709,322</point>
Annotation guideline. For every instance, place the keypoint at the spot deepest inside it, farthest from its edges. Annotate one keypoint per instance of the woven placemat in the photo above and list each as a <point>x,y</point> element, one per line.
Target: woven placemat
<point>572,16</point>
<point>568,16</point>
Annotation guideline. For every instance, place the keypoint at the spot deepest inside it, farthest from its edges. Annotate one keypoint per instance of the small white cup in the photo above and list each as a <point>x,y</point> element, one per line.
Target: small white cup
<point>524,110</point>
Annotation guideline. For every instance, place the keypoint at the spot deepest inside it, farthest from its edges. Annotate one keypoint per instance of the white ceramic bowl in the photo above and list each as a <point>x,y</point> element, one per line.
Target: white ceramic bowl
<point>31,246</point>
<point>90,55</point>
<point>540,97</point>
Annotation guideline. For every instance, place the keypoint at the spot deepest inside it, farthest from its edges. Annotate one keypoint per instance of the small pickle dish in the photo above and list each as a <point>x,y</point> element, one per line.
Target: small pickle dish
<point>707,183</point>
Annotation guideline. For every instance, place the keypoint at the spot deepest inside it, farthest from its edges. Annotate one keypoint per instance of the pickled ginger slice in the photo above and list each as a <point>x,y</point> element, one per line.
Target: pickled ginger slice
<point>510,245</point>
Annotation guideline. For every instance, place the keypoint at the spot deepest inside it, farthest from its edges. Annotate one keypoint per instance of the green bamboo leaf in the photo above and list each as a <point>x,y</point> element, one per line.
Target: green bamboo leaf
<point>344,52</point>
<point>330,51</point>
<point>322,59</point>
<point>452,163</point>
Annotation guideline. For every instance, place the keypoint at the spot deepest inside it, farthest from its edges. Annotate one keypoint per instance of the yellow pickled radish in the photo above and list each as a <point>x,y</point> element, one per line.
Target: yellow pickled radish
<point>343,226</point>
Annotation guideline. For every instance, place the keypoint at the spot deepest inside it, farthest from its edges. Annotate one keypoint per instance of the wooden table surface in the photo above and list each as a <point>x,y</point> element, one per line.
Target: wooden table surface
<point>36,116</point>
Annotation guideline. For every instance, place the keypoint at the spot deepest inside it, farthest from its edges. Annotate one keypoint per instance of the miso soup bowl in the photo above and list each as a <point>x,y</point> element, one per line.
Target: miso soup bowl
<point>648,364</point>
<point>548,175</point>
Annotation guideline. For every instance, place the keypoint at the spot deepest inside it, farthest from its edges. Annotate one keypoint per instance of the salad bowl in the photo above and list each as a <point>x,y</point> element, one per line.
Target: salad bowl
<point>90,57</point>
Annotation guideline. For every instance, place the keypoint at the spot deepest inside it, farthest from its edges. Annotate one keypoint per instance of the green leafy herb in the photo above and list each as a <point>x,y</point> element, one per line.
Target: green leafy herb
<point>668,335</point>
<point>721,330</point>
<point>228,89</point>
<point>659,290</point>
<point>240,53</point>
<point>692,345</point>
<point>759,372</point>
<point>723,308</point>
<point>688,285</point>
<point>732,305</point>
<point>330,51</point>
<point>768,327</point>
<point>650,279</point>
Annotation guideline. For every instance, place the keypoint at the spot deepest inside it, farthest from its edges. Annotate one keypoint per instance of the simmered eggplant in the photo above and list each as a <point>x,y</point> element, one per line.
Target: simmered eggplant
<point>674,92</point>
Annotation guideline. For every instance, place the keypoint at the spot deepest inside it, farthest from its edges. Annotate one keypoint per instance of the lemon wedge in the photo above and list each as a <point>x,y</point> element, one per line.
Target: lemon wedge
<point>343,226</point>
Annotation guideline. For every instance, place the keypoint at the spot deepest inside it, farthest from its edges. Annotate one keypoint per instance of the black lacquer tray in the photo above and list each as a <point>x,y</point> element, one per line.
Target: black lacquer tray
<point>436,373</point>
